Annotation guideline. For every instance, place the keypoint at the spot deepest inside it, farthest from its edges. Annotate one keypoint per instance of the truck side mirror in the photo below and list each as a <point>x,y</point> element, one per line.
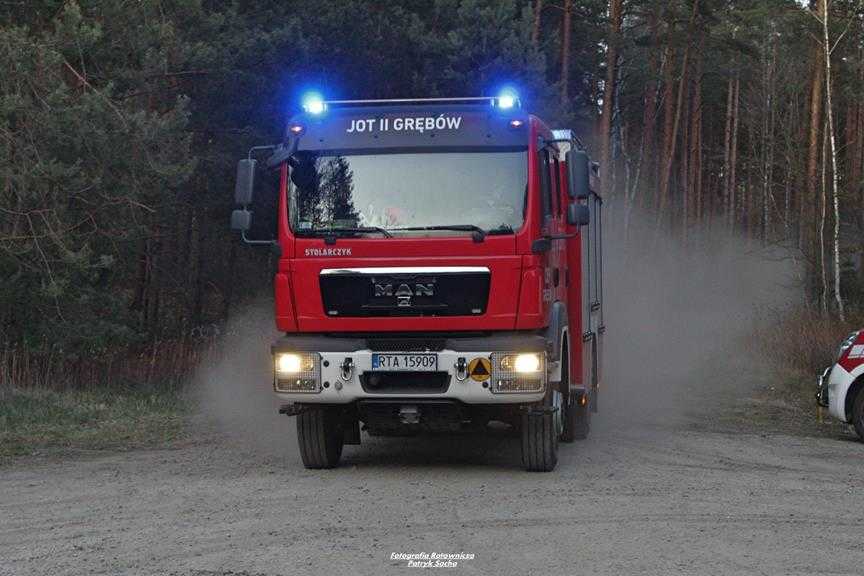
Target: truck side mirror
<point>241,220</point>
<point>578,174</point>
<point>578,214</point>
<point>244,188</point>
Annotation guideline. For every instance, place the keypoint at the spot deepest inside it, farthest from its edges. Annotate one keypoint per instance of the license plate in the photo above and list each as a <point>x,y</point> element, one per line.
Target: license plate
<point>405,362</point>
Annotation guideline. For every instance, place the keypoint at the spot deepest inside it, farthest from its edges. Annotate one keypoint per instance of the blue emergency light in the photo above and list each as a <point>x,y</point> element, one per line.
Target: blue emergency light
<point>313,103</point>
<point>507,99</point>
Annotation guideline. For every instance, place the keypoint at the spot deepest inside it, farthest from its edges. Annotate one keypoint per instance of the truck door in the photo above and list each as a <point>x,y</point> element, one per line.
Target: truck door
<point>549,182</point>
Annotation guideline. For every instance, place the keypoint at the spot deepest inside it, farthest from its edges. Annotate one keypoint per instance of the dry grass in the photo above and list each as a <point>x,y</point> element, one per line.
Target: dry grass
<point>803,342</point>
<point>169,362</point>
<point>130,398</point>
<point>798,346</point>
<point>36,421</point>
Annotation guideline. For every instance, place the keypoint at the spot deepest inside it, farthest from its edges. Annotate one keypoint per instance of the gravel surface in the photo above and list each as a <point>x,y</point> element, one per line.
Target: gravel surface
<point>696,466</point>
<point>646,499</point>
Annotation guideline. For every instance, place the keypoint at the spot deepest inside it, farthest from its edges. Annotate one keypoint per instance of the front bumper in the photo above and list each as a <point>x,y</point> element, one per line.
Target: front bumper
<point>822,396</point>
<point>831,390</point>
<point>339,386</point>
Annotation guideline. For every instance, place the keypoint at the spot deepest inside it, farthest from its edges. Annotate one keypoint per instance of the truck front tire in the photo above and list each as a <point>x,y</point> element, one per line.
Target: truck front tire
<point>320,435</point>
<point>540,437</point>
<point>858,413</point>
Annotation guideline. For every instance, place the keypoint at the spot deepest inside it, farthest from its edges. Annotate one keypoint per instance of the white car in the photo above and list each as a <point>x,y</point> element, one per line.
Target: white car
<point>841,386</point>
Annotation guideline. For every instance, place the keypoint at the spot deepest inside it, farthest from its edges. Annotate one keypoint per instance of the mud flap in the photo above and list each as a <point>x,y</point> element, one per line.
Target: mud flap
<point>597,348</point>
<point>352,432</point>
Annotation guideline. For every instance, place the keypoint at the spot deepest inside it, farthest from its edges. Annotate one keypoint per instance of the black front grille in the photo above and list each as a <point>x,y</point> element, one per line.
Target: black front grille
<point>421,294</point>
<point>405,382</point>
<point>405,344</point>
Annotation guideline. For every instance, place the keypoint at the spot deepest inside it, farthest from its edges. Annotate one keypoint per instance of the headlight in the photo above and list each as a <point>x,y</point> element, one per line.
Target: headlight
<point>294,363</point>
<point>299,372</point>
<point>513,373</point>
<point>521,363</point>
<point>847,343</point>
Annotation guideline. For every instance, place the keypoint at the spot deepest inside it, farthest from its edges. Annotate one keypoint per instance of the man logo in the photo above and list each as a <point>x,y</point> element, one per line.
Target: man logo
<point>404,292</point>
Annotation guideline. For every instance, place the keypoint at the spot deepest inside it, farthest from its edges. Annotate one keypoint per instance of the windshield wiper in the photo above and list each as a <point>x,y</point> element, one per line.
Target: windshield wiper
<point>501,230</point>
<point>478,233</point>
<point>332,233</point>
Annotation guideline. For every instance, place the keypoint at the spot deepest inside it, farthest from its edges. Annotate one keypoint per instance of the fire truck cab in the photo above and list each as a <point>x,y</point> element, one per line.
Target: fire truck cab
<point>440,267</point>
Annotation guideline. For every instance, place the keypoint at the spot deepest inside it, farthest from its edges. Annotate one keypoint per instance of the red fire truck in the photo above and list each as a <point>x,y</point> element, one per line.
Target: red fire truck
<point>440,267</point>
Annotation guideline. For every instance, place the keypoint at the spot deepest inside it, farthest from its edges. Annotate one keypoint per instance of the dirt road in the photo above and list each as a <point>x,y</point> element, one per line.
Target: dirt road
<point>644,499</point>
<point>666,483</point>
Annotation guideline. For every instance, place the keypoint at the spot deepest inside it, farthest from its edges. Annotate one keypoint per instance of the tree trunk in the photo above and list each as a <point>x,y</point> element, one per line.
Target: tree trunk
<point>853,147</point>
<point>811,188</point>
<point>695,176</point>
<point>823,299</point>
<point>727,145</point>
<point>668,101</point>
<point>672,138</point>
<point>200,279</point>
<point>649,114</point>
<point>565,51</point>
<point>858,156</point>
<point>609,93</point>
<point>684,161</point>
<point>733,153</point>
<point>535,27</point>
<point>835,187</point>
<point>768,136</point>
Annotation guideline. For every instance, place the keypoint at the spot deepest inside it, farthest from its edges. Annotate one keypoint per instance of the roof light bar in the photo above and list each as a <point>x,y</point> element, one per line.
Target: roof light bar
<point>317,105</point>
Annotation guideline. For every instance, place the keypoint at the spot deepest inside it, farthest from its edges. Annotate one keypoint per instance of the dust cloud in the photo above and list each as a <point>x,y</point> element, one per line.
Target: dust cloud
<point>233,388</point>
<point>679,318</point>
<point>680,315</point>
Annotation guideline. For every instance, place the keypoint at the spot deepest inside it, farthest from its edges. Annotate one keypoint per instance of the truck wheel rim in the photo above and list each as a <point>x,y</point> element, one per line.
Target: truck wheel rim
<point>557,415</point>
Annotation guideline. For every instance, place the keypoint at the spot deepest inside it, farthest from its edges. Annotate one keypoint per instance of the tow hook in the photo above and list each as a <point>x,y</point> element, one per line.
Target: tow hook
<point>409,415</point>
<point>461,369</point>
<point>346,369</point>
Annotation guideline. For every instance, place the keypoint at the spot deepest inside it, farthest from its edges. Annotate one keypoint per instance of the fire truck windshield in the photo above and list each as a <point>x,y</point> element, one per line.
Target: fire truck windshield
<point>454,192</point>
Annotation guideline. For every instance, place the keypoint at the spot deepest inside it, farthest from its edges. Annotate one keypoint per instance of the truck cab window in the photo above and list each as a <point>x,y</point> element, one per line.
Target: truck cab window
<point>545,183</point>
<point>409,193</point>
